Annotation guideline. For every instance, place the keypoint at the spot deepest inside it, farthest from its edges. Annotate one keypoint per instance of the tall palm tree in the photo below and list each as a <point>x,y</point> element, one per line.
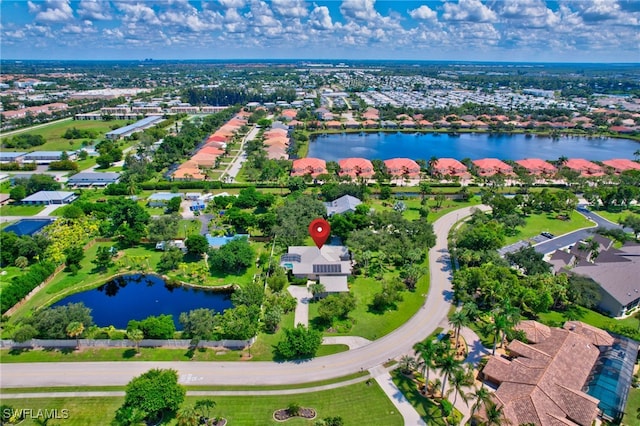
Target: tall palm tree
<point>75,329</point>
<point>461,379</point>
<point>457,320</point>
<point>406,364</point>
<point>427,350</point>
<point>470,308</point>
<point>497,324</point>
<point>448,365</point>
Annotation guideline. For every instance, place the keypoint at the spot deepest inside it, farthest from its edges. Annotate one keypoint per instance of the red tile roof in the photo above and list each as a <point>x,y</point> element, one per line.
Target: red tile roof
<point>356,167</point>
<point>537,166</point>
<point>586,168</point>
<point>622,164</point>
<point>402,167</point>
<point>449,167</point>
<point>309,166</point>
<point>492,166</point>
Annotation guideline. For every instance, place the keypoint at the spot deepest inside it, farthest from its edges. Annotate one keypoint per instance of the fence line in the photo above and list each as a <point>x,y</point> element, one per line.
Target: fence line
<point>125,343</point>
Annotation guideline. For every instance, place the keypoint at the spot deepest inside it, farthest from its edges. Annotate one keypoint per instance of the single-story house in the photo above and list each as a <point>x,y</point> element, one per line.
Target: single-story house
<point>11,157</point>
<point>492,166</point>
<point>93,179</point>
<point>330,265</point>
<point>620,165</point>
<point>346,203</point>
<point>449,167</point>
<point>537,166</point>
<point>586,168</point>
<point>49,197</point>
<point>45,157</point>
<point>166,245</point>
<point>161,199</point>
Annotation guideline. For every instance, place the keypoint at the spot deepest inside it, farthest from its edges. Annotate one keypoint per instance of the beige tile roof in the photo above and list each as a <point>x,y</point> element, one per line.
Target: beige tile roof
<point>542,383</point>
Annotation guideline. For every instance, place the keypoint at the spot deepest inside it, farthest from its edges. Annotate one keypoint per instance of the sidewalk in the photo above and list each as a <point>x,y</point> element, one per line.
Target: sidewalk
<point>409,414</point>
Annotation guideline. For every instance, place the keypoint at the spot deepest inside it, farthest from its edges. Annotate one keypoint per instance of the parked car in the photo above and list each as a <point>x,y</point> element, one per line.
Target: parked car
<point>547,234</point>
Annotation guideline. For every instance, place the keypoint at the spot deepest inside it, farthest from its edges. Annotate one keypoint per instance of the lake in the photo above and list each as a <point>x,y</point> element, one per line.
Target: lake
<point>333,147</point>
<point>139,296</point>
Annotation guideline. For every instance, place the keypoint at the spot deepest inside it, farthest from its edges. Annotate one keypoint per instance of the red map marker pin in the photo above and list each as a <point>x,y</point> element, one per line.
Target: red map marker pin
<point>319,229</point>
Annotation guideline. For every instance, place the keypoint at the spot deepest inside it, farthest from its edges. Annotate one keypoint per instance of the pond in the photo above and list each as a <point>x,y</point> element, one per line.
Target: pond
<point>139,296</point>
<point>333,147</point>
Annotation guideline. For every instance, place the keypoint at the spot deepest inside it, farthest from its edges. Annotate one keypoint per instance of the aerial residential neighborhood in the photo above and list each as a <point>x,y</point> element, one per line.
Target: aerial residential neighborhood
<point>319,213</point>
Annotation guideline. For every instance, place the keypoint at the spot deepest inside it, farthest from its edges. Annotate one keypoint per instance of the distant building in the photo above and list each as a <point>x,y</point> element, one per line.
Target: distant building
<point>537,167</point>
<point>45,157</point>
<point>135,127</point>
<point>309,166</point>
<point>449,167</point>
<point>93,179</point>
<point>11,157</point>
<point>492,166</point>
<point>402,167</point>
<point>620,165</point>
<point>341,205</point>
<point>586,168</point>
<point>356,167</point>
<point>49,197</point>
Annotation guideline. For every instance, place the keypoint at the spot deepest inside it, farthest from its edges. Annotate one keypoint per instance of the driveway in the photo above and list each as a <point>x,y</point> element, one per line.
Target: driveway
<point>366,357</point>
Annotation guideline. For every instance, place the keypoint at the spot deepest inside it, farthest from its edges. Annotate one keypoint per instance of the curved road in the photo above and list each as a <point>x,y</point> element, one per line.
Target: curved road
<point>399,342</point>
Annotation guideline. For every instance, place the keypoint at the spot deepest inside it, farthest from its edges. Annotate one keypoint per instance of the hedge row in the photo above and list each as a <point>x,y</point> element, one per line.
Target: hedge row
<point>20,286</point>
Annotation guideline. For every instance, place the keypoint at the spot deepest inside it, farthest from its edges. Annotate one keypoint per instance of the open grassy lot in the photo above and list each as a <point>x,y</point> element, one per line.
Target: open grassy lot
<point>53,134</point>
<point>356,404</point>
<point>8,272</point>
<point>20,210</point>
<point>590,317</point>
<point>632,409</point>
<point>537,223</point>
<point>616,216</point>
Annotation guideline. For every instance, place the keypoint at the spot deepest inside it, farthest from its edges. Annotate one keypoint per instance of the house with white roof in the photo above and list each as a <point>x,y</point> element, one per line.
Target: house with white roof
<point>330,265</point>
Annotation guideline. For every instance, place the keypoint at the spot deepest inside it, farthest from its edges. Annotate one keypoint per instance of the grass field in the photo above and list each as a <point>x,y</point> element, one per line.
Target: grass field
<point>632,409</point>
<point>537,223</point>
<point>20,210</point>
<point>8,272</point>
<point>53,134</point>
<point>356,404</point>
<point>617,216</point>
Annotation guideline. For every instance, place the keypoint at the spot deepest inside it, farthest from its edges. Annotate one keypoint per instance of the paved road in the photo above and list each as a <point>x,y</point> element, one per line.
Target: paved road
<point>581,234</point>
<point>378,352</point>
<point>236,164</point>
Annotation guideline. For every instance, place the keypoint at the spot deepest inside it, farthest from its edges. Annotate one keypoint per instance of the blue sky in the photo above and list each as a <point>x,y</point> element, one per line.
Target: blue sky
<point>473,30</point>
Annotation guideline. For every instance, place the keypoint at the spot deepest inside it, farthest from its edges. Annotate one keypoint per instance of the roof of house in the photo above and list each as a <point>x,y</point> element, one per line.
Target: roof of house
<point>620,281</point>
<point>401,166</point>
<point>309,165</point>
<point>309,260</point>
<point>621,164</point>
<point>52,154</point>
<point>492,163</point>
<point>356,166</point>
<point>542,383</point>
<point>584,166</point>
<point>48,196</point>
<point>4,155</point>
<point>334,283</point>
<point>94,177</point>
<point>449,163</point>
<point>343,204</point>
<point>138,124</point>
<point>536,165</point>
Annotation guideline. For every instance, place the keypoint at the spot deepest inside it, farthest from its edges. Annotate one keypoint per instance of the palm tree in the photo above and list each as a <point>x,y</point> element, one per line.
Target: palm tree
<point>317,289</point>
<point>188,416</point>
<point>406,364</point>
<point>636,154</point>
<point>471,310</point>
<point>136,335</point>
<point>461,378</point>
<point>497,324</point>
<point>495,416</point>
<point>204,407</point>
<point>75,329</point>
<point>427,350</point>
<point>482,397</point>
<point>448,365</point>
<point>457,320</point>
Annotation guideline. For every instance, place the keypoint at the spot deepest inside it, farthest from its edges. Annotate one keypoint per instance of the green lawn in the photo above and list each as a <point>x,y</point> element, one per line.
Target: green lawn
<point>590,317</point>
<point>20,210</point>
<point>428,410</point>
<point>633,408</point>
<point>356,404</point>
<point>617,216</point>
<point>8,272</point>
<point>372,325</point>
<point>53,133</point>
<point>537,223</point>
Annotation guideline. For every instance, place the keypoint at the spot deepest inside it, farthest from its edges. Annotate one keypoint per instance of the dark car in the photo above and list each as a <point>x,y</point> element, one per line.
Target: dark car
<point>547,234</point>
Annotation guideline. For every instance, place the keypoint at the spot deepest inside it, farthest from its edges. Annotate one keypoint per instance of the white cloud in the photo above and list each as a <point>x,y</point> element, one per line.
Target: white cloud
<point>94,9</point>
<point>52,11</point>
<point>361,10</point>
<point>232,4</point>
<point>598,10</point>
<point>290,8</point>
<point>424,13</point>
<point>527,13</point>
<point>85,27</point>
<point>320,19</point>
<point>138,12</point>
<point>469,11</point>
